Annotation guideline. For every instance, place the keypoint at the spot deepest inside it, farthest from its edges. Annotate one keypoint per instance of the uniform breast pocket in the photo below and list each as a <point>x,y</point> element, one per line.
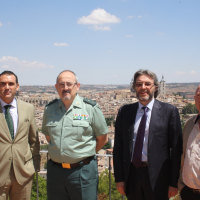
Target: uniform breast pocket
<point>52,128</point>
<point>80,128</point>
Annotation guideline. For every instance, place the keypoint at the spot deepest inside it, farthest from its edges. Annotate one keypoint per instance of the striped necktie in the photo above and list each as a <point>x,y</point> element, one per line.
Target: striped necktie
<point>137,154</point>
<point>9,120</point>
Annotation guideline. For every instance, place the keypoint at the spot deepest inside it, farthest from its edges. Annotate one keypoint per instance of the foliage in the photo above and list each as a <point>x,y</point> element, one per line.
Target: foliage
<point>107,146</point>
<point>189,109</point>
<point>180,94</point>
<point>44,147</point>
<point>42,188</point>
<point>45,165</point>
<point>102,196</point>
<point>182,124</point>
<point>104,186</point>
<point>109,120</point>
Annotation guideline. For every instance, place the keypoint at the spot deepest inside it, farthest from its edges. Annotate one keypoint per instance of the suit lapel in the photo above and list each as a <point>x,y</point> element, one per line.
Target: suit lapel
<point>20,117</point>
<point>155,119</point>
<point>131,121</point>
<point>3,123</point>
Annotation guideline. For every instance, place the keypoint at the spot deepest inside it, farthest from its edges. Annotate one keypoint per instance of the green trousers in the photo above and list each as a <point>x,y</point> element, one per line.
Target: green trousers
<point>79,183</point>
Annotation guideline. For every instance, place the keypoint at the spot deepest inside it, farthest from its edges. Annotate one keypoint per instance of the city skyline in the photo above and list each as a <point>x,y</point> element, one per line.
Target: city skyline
<point>103,42</point>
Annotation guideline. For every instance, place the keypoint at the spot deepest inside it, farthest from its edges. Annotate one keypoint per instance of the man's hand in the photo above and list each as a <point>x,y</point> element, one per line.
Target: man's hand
<point>172,191</point>
<point>121,187</point>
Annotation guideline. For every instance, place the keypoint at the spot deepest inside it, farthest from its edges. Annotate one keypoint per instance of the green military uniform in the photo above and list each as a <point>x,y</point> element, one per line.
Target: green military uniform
<point>73,137</point>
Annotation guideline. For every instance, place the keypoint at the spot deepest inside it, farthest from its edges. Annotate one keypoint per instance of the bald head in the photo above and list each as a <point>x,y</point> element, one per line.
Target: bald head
<point>67,71</point>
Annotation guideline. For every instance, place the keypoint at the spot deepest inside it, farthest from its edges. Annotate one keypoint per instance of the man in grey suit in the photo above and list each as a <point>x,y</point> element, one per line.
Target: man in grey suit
<point>19,143</point>
<point>148,144</point>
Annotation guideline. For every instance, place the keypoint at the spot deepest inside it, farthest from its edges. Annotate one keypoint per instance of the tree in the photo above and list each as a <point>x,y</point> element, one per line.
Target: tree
<point>42,188</point>
<point>104,186</point>
<point>189,109</point>
<point>107,146</point>
<point>109,120</point>
<point>44,147</point>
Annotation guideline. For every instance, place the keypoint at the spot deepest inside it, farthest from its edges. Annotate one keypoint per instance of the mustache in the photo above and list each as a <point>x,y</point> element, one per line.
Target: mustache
<point>143,90</point>
<point>65,91</point>
<point>7,90</point>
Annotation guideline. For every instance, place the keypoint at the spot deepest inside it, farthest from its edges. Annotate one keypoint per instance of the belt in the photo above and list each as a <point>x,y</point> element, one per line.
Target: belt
<point>144,164</point>
<point>69,166</point>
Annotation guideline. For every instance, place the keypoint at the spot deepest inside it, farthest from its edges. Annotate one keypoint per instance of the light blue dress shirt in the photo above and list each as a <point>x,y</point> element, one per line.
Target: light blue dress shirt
<point>138,118</point>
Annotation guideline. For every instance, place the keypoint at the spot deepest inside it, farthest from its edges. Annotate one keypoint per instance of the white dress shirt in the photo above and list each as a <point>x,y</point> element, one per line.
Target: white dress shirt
<point>13,112</point>
<point>138,118</point>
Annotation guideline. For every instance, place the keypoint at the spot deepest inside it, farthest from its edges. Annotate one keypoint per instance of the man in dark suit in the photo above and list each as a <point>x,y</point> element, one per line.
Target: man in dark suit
<point>148,144</point>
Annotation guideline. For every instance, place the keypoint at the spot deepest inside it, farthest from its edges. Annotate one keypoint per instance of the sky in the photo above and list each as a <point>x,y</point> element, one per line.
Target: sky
<point>102,41</point>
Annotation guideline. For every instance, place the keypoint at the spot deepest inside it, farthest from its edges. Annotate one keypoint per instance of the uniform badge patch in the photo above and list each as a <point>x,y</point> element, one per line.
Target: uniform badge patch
<point>80,117</point>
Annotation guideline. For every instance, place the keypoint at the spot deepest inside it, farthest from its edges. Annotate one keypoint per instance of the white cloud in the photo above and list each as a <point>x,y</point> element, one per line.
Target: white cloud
<point>1,24</point>
<point>159,33</point>
<point>129,36</point>
<point>102,28</point>
<point>179,72</point>
<point>193,72</point>
<point>15,64</point>
<point>98,16</point>
<point>5,66</point>
<point>60,44</point>
<point>139,16</point>
<point>110,51</point>
<point>114,75</point>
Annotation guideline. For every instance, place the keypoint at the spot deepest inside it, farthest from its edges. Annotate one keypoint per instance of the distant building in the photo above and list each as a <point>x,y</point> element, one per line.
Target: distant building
<point>162,87</point>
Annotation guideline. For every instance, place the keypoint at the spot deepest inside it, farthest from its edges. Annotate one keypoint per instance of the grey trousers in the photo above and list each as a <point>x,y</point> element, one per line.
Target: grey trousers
<point>79,183</point>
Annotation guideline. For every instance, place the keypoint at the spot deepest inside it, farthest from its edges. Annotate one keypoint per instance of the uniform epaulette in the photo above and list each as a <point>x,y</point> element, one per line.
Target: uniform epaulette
<point>90,101</point>
<point>51,102</point>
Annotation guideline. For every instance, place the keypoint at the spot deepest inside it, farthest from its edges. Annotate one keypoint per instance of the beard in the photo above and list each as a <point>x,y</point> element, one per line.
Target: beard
<point>147,98</point>
<point>66,97</point>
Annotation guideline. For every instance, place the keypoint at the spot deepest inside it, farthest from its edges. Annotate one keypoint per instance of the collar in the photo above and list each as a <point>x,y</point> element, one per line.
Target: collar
<point>197,118</point>
<point>13,103</point>
<point>149,105</point>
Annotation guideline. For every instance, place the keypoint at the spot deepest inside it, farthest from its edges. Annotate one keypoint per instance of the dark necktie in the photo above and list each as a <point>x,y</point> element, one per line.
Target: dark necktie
<point>137,154</point>
<point>9,120</point>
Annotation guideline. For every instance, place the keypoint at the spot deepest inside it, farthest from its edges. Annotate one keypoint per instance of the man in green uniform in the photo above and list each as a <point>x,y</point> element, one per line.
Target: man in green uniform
<point>75,129</point>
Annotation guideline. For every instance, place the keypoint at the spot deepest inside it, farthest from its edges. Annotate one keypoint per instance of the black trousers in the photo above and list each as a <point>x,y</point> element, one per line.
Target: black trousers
<point>189,194</point>
<point>139,185</point>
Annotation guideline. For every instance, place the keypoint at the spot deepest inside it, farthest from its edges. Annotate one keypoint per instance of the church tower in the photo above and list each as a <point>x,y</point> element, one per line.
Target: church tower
<point>162,87</point>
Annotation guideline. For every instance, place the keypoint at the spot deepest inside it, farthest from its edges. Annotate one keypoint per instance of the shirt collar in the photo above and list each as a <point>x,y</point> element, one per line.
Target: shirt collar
<point>13,103</point>
<point>77,101</point>
<point>149,105</point>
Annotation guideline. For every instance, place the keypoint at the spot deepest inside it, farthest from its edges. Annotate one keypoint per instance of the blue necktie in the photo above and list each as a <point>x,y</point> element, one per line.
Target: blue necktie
<point>137,154</point>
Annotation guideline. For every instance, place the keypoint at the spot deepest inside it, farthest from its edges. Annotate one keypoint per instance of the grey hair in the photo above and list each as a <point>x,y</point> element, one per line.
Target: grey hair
<point>148,73</point>
<point>67,71</point>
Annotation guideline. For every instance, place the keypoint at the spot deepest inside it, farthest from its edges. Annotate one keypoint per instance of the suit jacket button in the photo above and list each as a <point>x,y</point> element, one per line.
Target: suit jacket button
<point>10,158</point>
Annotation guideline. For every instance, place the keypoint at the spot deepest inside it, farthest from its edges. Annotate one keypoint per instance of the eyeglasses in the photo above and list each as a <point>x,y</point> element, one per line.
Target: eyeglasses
<point>146,84</point>
<point>68,84</point>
